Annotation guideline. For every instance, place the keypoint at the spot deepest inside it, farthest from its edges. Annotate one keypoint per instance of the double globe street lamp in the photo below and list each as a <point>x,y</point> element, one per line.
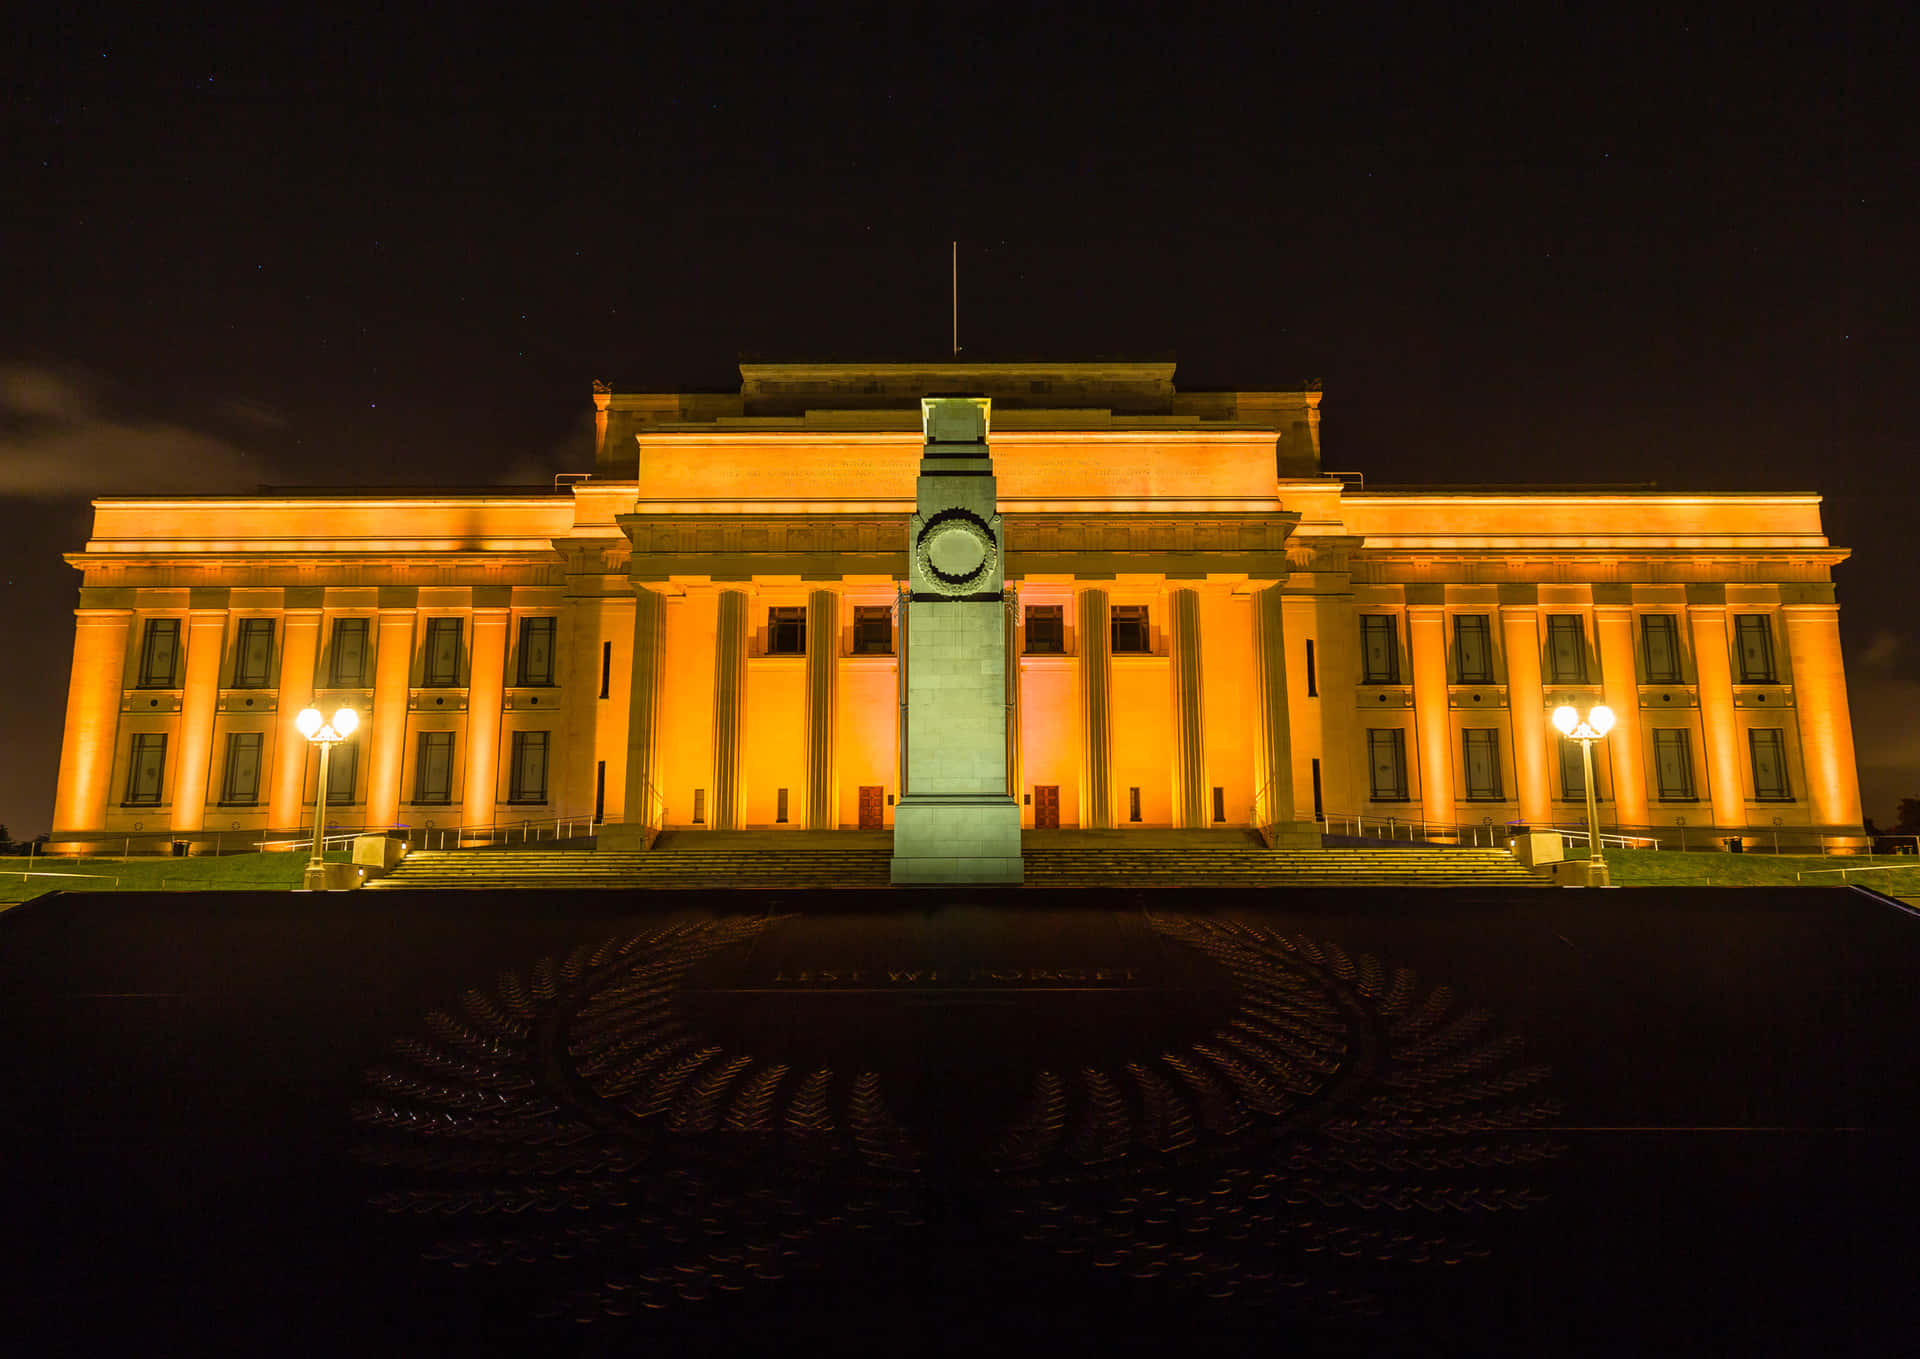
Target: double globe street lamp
<point>325,734</point>
<point>1586,730</point>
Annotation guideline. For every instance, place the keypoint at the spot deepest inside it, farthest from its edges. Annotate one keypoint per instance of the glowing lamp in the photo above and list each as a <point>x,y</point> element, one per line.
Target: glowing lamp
<point>326,735</point>
<point>1586,730</point>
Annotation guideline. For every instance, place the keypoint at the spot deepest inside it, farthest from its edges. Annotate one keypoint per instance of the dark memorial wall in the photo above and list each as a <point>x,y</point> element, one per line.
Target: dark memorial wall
<point>1418,1122</point>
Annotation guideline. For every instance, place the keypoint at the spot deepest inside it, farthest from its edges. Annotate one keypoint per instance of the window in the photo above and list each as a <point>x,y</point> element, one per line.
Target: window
<point>442,670</point>
<point>1768,746</point>
<point>343,768</point>
<point>780,805</point>
<point>1754,641</point>
<point>787,632</point>
<point>433,767</point>
<point>600,792</point>
<point>1133,804</point>
<point>527,780</point>
<point>536,652</point>
<point>1481,748</point>
<point>1313,677</point>
<point>1219,804</point>
<point>1472,648</point>
<point>606,668</point>
<point>1130,635</point>
<point>253,654</point>
<point>1673,765</point>
<point>159,653</point>
<point>349,666</point>
<point>1566,649</point>
<point>1319,812</point>
<point>1573,773</point>
<point>872,630</point>
<point>699,806</point>
<point>1379,649</point>
<point>241,787</point>
<point>1660,639</point>
<point>146,768</point>
<point>1387,763</point>
<point>1046,630</point>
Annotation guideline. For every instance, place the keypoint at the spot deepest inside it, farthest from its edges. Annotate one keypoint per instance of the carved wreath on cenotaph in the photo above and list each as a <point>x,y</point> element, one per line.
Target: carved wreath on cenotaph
<point>956,551</point>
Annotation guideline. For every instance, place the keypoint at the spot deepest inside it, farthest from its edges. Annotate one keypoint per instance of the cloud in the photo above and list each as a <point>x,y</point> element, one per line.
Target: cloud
<point>57,441</point>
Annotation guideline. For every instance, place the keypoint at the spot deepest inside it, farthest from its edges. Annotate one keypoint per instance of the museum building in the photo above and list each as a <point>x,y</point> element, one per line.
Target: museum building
<point>1205,629</point>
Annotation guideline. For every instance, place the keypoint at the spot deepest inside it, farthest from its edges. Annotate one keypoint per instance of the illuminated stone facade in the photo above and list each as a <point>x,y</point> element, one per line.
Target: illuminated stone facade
<point>1209,631</point>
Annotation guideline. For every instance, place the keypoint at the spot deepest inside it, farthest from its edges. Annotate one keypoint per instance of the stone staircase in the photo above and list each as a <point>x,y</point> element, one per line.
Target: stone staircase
<point>803,860</point>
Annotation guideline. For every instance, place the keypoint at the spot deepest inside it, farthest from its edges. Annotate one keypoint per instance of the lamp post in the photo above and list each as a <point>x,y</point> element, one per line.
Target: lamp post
<point>1586,730</point>
<point>326,735</point>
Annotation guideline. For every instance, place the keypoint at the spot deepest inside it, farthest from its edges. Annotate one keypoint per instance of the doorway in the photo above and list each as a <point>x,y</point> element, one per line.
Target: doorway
<point>1046,807</point>
<point>873,806</point>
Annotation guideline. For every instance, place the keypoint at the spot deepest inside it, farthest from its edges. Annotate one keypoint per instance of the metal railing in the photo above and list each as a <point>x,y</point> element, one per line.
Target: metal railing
<point>1851,868</point>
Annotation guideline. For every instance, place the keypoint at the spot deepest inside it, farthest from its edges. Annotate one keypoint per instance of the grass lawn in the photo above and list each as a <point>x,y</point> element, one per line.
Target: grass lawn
<point>1672,868</point>
<point>207,873</point>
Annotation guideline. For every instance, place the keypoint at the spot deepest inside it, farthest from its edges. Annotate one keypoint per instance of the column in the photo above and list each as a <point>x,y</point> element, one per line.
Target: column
<point>823,705</point>
<point>729,708</point>
<point>1337,671</point>
<point>1527,704</point>
<point>300,648</point>
<point>1189,731</point>
<point>1613,625</point>
<point>94,691</point>
<point>206,652</point>
<point>1016,771</point>
<point>392,685</point>
<point>1273,744</point>
<point>643,801</point>
<point>1094,644</point>
<point>1713,670</point>
<point>1820,703</point>
<point>1427,641</point>
<point>486,690</point>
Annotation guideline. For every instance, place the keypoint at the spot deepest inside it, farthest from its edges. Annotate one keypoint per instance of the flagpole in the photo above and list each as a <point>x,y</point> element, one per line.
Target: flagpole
<point>956,299</point>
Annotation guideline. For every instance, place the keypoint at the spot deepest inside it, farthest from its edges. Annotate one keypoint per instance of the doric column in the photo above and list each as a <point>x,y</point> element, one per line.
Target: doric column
<point>1820,702</point>
<point>1016,769</point>
<point>1336,672</point>
<point>486,690</point>
<point>392,683</point>
<point>1273,741</point>
<point>1189,730</point>
<point>1613,627</point>
<point>729,708</point>
<point>1094,642</point>
<point>1713,671</point>
<point>299,650</point>
<point>645,797</point>
<point>1427,641</point>
<point>94,692</point>
<point>823,704</point>
<point>1527,704</point>
<point>199,704</point>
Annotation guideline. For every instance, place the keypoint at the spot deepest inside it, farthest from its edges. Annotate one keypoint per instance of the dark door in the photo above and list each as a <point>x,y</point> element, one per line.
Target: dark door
<point>1046,808</point>
<point>873,807</point>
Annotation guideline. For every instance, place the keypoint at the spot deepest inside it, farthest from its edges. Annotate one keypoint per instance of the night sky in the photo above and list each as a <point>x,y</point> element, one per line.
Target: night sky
<point>305,247</point>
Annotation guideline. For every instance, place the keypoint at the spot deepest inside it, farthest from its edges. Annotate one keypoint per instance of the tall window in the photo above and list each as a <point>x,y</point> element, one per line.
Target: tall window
<point>349,666</point>
<point>1673,764</point>
<point>787,632</point>
<point>343,768</point>
<point>780,805</point>
<point>1481,748</point>
<point>433,767</point>
<point>1313,676</point>
<point>1387,764</point>
<point>159,653</point>
<point>1046,630</point>
<point>872,630</point>
<point>606,669</point>
<point>1130,634</point>
<point>1754,639</point>
<point>1379,649</point>
<point>1472,648</point>
<point>1768,747</point>
<point>1660,639</point>
<point>536,651</point>
<point>253,654</point>
<point>442,668</point>
<point>1566,649</point>
<point>146,767</point>
<point>1573,773</point>
<point>241,787</point>
<point>527,781</point>
<point>1133,804</point>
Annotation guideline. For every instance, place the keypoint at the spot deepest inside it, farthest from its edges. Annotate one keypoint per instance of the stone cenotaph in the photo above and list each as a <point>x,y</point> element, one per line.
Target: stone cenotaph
<point>957,820</point>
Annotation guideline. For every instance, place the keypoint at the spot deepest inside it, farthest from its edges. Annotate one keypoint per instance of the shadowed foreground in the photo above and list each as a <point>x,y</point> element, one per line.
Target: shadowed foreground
<point>1422,1121</point>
